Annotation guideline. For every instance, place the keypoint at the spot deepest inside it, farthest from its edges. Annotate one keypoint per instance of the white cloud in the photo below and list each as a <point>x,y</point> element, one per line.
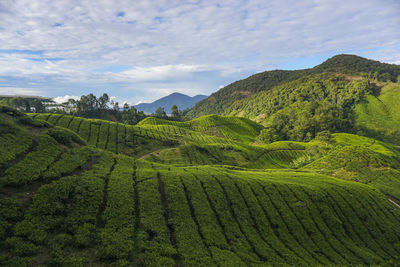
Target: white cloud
<point>157,73</point>
<point>20,91</point>
<point>180,44</point>
<point>63,99</point>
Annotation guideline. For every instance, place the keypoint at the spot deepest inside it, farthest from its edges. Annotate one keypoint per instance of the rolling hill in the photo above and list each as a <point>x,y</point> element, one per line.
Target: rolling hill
<point>180,100</point>
<point>88,192</point>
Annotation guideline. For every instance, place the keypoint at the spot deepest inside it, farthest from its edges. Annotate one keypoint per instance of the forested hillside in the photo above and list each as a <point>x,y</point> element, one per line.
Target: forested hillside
<point>87,192</point>
<point>343,94</point>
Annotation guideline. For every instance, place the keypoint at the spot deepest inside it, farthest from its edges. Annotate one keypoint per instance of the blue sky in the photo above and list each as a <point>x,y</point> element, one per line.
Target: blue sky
<point>138,51</point>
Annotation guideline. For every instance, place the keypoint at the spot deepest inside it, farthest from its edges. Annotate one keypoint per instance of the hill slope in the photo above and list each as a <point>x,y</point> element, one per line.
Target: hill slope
<point>66,203</point>
<point>379,116</point>
<point>180,100</point>
<point>262,95</point>
<point>331,89</point>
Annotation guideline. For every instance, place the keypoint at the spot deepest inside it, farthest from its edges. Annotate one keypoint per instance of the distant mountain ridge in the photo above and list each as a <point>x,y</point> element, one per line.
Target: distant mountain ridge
<point>180,100</point>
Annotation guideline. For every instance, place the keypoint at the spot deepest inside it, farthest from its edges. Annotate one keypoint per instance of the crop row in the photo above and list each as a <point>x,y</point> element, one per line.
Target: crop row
<point>301,234</point>
<point>117,235</point>
<point>160,249</point>
<point>34,164</point>
<point>103,134</point>
<point>151,214</point>
<point>67,206</point>
<point>12,145</point>
<point>121,138</point>
<point>70,161</point>
<point>272,222</point>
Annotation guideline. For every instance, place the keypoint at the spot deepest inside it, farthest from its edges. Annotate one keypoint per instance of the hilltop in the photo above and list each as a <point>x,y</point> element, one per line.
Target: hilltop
<point>347,88</point>
<point>180,100</point>
<point>77,191</point>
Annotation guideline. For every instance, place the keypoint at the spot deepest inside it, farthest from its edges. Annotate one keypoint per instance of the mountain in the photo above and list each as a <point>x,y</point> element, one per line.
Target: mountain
<point>180,100</point>
<point>89,192</point>
<point>343,94</point>
<point>221,101</point>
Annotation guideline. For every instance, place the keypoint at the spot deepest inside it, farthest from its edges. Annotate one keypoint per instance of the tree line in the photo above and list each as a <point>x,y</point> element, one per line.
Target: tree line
<point>90,106</point>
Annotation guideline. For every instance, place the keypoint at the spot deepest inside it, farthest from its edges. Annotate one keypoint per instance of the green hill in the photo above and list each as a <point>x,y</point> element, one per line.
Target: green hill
<point>350,65</point>
<point>234,128</point>
<point>379,116</point>
<point>86,192</point>
<point>343,94</point>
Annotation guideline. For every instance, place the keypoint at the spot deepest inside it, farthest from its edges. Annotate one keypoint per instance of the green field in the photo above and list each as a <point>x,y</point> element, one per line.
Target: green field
<point>195,193</point>
<point>379,116</point>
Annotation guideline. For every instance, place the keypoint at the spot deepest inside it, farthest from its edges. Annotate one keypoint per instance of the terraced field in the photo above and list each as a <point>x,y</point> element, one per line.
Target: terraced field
<point>162,194</point>
<point>207,140</point>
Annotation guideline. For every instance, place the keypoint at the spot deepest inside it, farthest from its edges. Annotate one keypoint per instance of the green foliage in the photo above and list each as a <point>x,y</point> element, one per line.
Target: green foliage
<point>132,116</point>
<point>65,136</point>
<point>70,161</point>
<point>324,136</point>
<point>34,164</point>
<point>11,111</point>
<point>230,98</point>
<point>160,113</point>
<point>351,64</point>
<point>117,236</point>
<point>268,136</point>
<point>201,192</point>
<point>219,101</point>
<point>300,109</point>
<point>26,120</point>
<point>378,116</point>
<point>13,140</point>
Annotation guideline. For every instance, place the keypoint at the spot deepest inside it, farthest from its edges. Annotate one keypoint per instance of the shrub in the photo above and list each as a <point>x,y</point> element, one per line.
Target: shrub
<point>268,136</point>
<point>11,111</point>
<point>65,136</point>
<point>7,127</point>
<point>26,120</point>
<point>324,136</point>
<point>84,235</point>
<point>20,246</point>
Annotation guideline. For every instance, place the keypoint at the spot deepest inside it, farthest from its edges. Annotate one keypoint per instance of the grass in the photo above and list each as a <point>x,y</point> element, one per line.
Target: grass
<point>379,116</point>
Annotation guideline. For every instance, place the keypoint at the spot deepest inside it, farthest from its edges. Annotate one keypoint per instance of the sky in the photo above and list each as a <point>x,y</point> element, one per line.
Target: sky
<point>139,51</point>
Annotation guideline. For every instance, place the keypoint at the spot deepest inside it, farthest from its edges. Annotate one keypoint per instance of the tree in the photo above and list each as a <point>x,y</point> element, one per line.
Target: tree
<point>130,115</point>
<point>71,104</point>
<point>92,102</point>
<point>116,106</point>
<point>160,113</point>
<point>384,77</point>
<point>125,107</point>
<point>27,105</point>
<point>38,105</point>
<point>103,101</point>
<point>268,136</point>
<point>175,112</point>
<point>82,104</point>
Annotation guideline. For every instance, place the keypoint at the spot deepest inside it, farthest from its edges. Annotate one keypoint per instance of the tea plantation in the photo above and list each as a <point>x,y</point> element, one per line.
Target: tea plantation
<point>87,192</point>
